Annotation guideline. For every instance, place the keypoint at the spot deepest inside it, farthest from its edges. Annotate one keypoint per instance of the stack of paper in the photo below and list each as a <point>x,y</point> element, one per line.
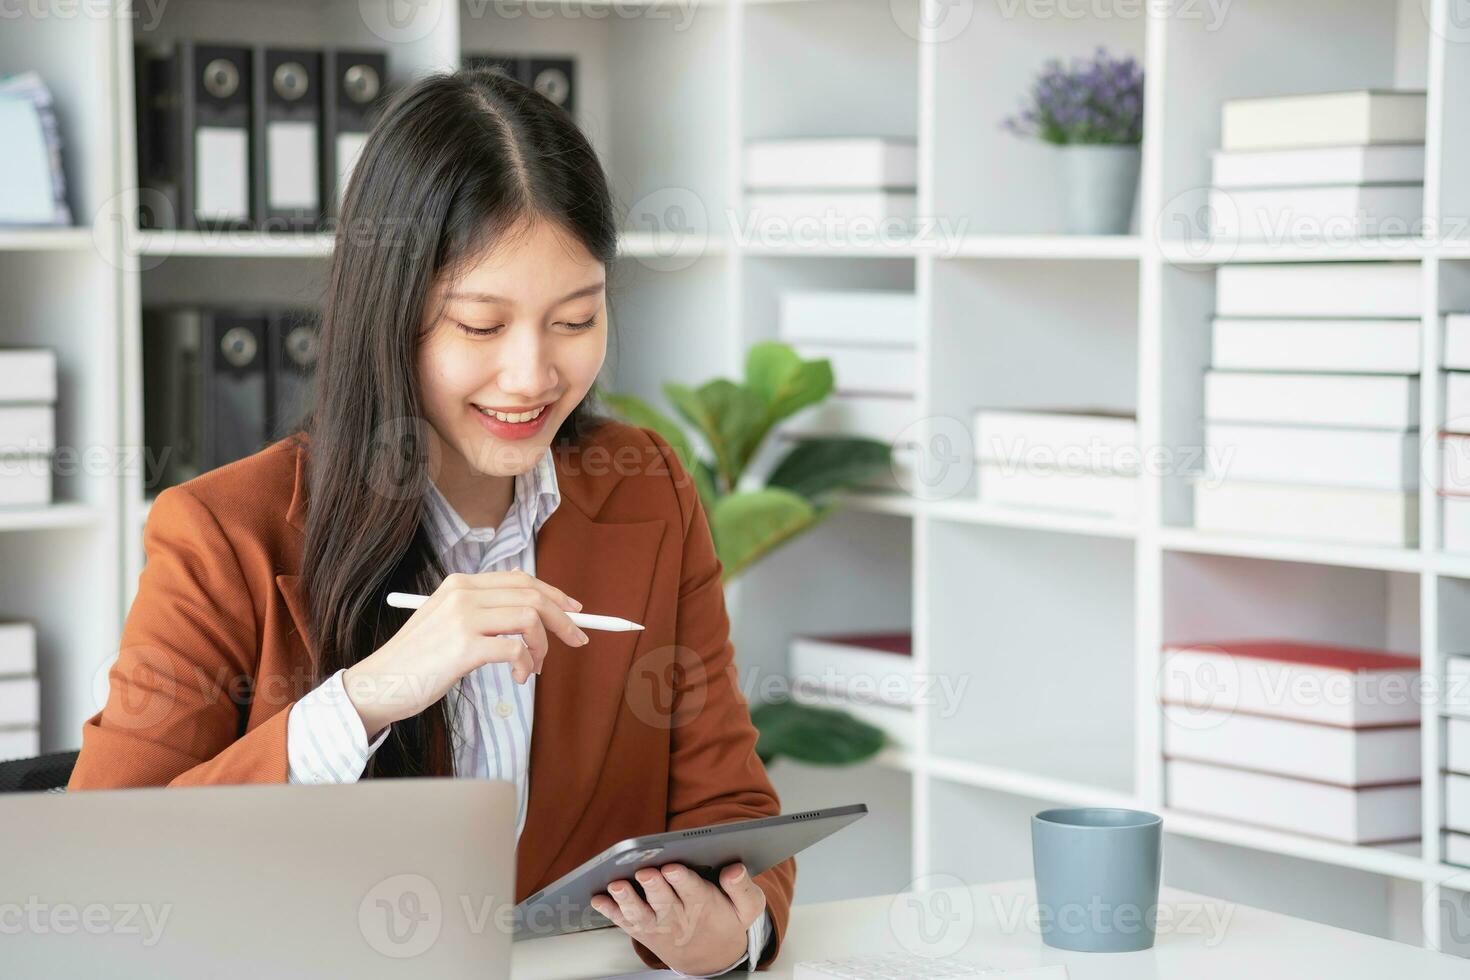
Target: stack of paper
<point>1312,403</point>
<point>1454,434</point>
<point>27,426</point>
<point>32,183</point>
<point>1324,167</point>
<point>1456,837</point>
<point>868,675</point>
<point>20,692</point>
<point>1084,461</point>
<point>870,337</point>
<point>1319,740</point>
<point>843,186</point>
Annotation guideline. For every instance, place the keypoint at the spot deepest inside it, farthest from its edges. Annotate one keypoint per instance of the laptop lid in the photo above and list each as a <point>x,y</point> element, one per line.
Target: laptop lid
<point>381,878</point>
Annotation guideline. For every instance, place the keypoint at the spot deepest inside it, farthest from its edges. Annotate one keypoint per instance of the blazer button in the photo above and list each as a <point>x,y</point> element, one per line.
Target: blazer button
<point>503,709</point>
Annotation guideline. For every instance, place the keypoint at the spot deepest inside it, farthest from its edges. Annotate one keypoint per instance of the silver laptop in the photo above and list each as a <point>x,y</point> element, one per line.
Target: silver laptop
<point>399,877</point>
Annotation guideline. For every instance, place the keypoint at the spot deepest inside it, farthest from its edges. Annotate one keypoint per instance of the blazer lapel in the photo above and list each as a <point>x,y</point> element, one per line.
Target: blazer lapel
<point>609,568</point>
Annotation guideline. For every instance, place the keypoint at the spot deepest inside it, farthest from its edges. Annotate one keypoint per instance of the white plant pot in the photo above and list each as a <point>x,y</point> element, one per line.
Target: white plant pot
<point>1099,183</point>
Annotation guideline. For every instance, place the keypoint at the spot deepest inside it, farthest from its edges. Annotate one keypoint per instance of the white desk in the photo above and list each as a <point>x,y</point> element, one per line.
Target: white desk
<point>1252,945</point>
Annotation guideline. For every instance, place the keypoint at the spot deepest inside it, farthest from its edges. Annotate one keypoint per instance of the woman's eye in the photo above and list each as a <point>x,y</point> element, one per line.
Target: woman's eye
<point>477,331</point>
<point>490,331</point>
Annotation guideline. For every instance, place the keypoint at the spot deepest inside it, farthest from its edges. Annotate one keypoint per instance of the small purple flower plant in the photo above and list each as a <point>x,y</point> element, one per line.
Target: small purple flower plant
<point>1097,101</point>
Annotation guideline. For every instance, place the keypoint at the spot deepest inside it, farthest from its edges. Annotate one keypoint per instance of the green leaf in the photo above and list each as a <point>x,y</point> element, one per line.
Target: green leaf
<point>784,381</point>
<point>729,416</point>
<point>814,467</point>
<point>689,406</point>
<point>749,525</point>
<point>768,365</point>
<point>817,735</point>
<point>742,420</point>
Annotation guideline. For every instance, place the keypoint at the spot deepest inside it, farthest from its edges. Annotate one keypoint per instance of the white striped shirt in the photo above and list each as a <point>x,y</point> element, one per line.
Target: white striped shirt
<point>325,738</point>
<point>492,713</point>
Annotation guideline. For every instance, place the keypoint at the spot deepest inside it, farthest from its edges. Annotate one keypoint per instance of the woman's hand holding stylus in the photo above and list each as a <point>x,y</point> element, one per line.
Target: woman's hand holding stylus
<point>469,621</point>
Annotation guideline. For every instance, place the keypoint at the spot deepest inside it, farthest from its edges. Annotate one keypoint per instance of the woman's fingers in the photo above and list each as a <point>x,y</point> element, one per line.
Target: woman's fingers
<point>690,887</point>
<point>508,650</point>
<point>660,896</point>
<point>636,913</point>
<point>745,894</point>
<point>553,616</point>
<point>503,620</point>
<point>513,607</point>
<point>510,580</point>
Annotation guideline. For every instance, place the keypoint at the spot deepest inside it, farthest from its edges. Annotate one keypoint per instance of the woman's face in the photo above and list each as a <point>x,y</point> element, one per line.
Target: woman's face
<point>519,330</point>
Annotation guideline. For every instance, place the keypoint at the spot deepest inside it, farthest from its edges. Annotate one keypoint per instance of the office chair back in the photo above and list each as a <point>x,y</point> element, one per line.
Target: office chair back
<point>43,773</point>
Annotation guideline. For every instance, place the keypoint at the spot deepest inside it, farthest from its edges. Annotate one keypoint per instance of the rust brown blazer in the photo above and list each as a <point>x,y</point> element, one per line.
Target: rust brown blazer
<point>630,736</point>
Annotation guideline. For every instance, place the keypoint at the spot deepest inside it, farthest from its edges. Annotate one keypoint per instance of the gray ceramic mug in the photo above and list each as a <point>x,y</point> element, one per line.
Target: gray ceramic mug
<point>1097,877</point>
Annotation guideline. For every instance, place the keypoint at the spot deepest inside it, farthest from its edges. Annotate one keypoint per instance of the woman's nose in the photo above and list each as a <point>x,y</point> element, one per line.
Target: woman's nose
<point>527,368</point>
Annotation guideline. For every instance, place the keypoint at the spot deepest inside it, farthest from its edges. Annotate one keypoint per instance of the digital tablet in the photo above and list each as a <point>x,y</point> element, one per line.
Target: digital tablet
<point>565,905</point>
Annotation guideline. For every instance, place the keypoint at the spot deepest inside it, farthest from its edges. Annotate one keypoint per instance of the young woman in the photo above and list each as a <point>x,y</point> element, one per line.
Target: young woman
<point>452,450</point>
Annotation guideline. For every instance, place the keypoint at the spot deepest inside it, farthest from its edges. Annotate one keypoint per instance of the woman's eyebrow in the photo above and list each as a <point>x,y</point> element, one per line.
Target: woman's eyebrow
<point>479,297</point>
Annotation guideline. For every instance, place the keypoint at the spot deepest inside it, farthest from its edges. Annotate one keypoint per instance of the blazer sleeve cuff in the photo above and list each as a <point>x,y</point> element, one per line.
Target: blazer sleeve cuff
<point>325,739</point>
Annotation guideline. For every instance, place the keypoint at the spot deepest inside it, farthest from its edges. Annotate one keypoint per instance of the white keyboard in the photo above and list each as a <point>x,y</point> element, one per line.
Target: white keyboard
<point>909,966</point>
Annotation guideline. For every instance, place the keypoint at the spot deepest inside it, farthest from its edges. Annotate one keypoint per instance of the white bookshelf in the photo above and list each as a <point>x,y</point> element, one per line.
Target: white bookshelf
<point>1055,620</point>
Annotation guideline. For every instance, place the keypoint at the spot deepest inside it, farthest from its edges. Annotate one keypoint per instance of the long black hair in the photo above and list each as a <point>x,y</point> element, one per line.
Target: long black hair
<point>457,161</point>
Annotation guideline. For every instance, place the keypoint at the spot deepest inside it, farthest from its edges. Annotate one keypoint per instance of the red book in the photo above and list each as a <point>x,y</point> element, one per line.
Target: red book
<point>1349,687</point>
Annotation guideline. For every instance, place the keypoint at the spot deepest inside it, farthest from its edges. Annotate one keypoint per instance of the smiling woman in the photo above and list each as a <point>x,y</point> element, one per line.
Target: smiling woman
<point>453,451</point>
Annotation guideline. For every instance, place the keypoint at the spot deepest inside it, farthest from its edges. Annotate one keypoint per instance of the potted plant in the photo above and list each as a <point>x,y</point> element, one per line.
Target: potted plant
<point>1093,112</point>
<point>731,422</point>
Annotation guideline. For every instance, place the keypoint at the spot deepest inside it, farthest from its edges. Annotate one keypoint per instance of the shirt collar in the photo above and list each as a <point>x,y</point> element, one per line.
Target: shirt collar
<point>537,496</point>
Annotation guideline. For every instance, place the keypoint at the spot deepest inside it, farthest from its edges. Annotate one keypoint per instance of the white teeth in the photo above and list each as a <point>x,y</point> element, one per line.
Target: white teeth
<point>516,417</point>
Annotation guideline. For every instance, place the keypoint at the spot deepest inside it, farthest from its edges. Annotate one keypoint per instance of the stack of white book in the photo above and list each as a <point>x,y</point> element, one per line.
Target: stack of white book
<point>1454,434</point>
<point>27,426</point>
<point>1456,839</point>
<point>1312,403</point>
<point>858,183</point>
<point>1085,461</point>
<point>1324,167</point>
<point>870,336</point>
<point>1313,739</point>
<point>20,692</point>
<point>868,675</point>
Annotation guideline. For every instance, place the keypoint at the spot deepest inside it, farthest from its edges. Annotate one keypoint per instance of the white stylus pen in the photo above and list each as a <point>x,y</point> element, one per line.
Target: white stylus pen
<point>587,621</point>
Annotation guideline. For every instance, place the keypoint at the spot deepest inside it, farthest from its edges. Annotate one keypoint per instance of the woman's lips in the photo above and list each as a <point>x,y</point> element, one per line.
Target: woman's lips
<point>512,430</point>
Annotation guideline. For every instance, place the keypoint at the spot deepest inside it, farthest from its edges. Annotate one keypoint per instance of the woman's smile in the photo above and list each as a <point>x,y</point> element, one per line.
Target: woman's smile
<point>500,425</point>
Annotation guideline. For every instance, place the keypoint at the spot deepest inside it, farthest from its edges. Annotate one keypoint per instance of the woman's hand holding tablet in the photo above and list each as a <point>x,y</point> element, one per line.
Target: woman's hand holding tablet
<point>692,925</point>
<point>469,621</point>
